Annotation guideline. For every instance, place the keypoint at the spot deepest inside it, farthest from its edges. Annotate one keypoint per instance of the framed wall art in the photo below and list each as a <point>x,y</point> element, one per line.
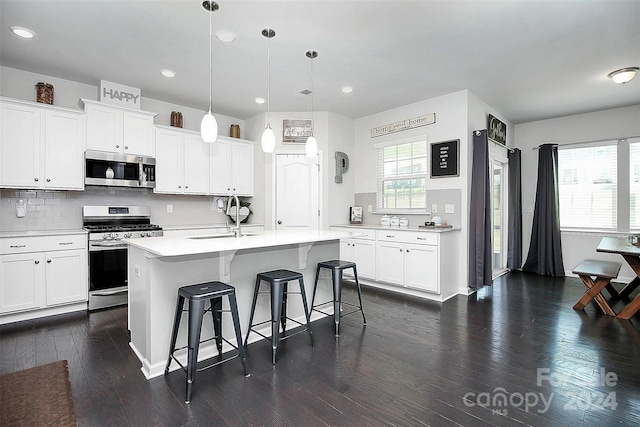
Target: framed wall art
<point>296,131</point>
<point>445,159</point>
<point>496,130</point>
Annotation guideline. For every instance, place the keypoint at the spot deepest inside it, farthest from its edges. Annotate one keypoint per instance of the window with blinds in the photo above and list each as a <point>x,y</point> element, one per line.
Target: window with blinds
<point>401,176</point>
<point>588,188</point>
<point>634,184</point>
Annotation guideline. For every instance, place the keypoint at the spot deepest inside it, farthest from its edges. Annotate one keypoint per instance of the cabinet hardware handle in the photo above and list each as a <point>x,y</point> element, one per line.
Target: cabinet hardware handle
<point>117,146</point>
<point>37,262</point>
<point>126,147</point>
<point>421,238</point>
<point>186,186</point>
<point>407,250</point>
<point>65,243</point>
<point>279,222</point>
<point>17,246</point>
<point>35,179</point>
<point>400,250</point>
<point>48,180</point>
<point>179,186</point>
<point>390,236</point>
<point>48,261</point>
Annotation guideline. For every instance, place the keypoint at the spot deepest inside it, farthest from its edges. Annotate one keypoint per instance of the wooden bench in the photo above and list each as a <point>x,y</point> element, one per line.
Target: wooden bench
<point>603,271</point>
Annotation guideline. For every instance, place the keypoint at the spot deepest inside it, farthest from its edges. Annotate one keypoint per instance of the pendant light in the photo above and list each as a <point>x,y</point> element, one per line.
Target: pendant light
<point>311,146</point>
<point>209,125</point>
<point>268,137</point>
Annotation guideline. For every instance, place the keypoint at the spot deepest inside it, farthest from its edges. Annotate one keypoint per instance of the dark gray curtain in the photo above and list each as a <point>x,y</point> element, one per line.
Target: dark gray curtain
<point>514,246</point>
<point>480,215</point>
<point>545,250</point>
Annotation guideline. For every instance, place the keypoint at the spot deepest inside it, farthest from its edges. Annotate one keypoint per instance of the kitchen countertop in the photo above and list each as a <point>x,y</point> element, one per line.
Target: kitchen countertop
<point>410,228</point>
<point>40,233</point>
<point>169,246</point>
<point>204,226</point>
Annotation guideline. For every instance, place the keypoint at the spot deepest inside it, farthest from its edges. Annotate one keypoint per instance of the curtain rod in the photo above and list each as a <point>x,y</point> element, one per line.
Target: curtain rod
<point>588,142</point>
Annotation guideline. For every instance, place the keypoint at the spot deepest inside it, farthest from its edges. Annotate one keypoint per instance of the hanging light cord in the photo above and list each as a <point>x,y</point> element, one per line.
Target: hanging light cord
<point>269,77</point>
<point>210,53</point>
<point>312,95</point>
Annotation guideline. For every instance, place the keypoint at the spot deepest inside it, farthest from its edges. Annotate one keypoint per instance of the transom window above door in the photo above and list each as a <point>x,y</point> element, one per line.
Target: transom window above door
<point>401,176</point>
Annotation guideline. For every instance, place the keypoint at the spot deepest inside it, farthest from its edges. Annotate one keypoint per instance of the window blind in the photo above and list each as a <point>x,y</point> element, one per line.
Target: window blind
<point>634,184</point>
<point>401,175</point>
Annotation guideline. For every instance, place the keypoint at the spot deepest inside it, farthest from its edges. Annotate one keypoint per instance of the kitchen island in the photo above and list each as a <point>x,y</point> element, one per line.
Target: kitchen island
<point>158,266</point>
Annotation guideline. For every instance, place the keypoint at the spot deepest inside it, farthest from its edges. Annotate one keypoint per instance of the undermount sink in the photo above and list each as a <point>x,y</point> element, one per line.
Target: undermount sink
<point>218,236</point>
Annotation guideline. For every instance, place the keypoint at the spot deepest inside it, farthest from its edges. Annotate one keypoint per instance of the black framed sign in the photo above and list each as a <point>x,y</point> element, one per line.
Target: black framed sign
<point>445,159</point>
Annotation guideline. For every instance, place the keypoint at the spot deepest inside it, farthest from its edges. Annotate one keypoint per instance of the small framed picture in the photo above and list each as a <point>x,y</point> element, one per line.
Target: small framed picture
<point>296,131</point>
<point>355,214</point>
<point>445,159</point>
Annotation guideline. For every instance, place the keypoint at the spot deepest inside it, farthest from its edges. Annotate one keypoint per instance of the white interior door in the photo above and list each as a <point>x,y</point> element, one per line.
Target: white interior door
<point>297,192</point>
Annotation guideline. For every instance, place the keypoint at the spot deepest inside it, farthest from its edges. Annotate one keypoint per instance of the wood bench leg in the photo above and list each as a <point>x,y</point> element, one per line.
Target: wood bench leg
<point>593,292</point>
<point>630,309</point>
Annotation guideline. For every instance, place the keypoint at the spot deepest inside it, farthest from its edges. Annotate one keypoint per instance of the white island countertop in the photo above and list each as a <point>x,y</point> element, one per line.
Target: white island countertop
<point>169,246</point>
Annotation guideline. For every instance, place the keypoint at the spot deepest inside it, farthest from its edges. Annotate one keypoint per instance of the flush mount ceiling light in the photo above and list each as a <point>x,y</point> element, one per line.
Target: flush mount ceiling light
<point>623,75</point>
<point>168,73</point>
<point>268,136</point>
<point>209,125</point>
<point>260,101</point>
<point>311,146</point>
<point>23,32</point>
<point>346,89</point>
<point>225,36</point>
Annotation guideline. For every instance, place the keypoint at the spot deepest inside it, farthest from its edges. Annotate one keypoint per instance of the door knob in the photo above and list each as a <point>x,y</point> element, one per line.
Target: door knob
<point>279,222</point>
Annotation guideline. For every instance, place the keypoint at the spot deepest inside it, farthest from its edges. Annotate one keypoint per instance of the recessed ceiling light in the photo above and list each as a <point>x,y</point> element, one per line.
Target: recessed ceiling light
<point>259,100</point>
<point>347,89</point>
<point>25,33</point>
<point>168,73</point>
<point>225,36</point>
<point>623,75</point>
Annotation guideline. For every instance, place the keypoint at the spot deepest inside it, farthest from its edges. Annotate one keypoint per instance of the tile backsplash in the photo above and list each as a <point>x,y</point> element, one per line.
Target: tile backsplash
<point>434,197</point>
<point>62,210</point>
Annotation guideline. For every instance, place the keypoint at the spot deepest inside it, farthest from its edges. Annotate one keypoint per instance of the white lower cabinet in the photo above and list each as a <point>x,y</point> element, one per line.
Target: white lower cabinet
<point>416,262</point>
<point>411,259</point>
<point>42,272</point>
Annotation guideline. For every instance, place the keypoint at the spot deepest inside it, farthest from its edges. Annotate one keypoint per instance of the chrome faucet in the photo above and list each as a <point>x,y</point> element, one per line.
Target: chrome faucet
<point>235,228</point>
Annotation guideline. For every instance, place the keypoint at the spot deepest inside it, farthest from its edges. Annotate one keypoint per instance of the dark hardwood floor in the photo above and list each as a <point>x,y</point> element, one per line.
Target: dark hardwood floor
<point>515,353</point>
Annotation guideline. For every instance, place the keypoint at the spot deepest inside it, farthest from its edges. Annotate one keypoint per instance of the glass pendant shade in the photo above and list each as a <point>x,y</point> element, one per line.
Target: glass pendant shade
<point>311,147</point>
<point>268,140</point>
<point>209,128</point>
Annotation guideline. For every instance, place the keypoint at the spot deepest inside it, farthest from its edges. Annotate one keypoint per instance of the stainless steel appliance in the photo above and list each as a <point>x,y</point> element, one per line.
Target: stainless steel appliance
<point>119,170</point>
<point>107,225</point>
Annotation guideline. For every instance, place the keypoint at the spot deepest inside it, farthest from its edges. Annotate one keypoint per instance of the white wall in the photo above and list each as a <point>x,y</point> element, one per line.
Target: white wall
<point>338,197</point>
<point>607,124</point>
<point>451,123</point>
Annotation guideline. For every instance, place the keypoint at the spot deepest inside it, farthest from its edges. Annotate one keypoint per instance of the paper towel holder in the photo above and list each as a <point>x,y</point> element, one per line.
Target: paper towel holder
<point>342,165</point>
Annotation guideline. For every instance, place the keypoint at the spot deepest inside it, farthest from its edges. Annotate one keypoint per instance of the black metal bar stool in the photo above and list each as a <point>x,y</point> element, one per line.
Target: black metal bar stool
<point>278,280</point>
<point>197,295</point>
<point>337,267</point>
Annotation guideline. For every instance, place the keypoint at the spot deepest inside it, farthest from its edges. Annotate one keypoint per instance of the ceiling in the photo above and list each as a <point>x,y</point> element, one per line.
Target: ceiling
<point>530,60</point>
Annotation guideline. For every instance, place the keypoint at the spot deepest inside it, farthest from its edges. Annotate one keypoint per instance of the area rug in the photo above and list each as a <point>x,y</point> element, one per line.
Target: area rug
<point>39,396</point>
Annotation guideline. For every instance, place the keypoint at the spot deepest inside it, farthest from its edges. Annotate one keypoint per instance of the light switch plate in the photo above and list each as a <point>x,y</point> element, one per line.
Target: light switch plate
<point>434,208</point>
<point>448,208</point>
<point>169,208</point>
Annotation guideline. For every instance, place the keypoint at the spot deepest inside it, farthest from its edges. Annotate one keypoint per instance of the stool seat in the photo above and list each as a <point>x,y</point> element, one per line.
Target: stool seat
<point>205,291</point>
<point>337,263</point>
<point>280,276</point>
<point>278,289</point>
<point>197,295</point>
<point>337,266</point>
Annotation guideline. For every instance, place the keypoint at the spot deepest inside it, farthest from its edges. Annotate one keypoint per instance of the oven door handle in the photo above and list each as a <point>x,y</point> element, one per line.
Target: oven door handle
<point>107,293</point>
<point>108,245</point>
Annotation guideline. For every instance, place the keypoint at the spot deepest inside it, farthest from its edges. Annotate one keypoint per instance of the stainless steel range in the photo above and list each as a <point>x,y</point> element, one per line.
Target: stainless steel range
<point>107,225</point>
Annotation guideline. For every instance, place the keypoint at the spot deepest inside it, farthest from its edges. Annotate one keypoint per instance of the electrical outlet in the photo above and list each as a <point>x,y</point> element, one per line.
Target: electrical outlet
<point>434,208</point>
<point>169,208</point>
<point>448,208</point>
<point>369,208</point>
<point>136,269</point>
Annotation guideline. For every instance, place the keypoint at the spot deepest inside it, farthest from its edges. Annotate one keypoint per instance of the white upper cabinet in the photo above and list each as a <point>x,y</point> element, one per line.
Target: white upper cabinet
<point>119,130</point>
<point>231,167</point>
<point>41,146</point>
<point>182,162</point>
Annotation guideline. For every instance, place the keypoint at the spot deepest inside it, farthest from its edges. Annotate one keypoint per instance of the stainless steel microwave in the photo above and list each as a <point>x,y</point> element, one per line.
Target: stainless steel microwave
<point>119,170</point>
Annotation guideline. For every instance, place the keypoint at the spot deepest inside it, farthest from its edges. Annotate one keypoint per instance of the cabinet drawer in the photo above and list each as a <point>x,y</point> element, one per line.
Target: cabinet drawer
<point>17,245</point>
<point>362,233</point>
<point>415,237</point>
